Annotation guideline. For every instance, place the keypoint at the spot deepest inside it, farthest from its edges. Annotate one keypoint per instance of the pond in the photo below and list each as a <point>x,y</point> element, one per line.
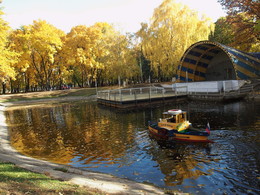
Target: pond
<point>101,139</point>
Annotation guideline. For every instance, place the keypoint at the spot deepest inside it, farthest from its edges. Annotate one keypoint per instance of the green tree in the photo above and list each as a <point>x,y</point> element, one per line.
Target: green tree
<point>223,32</point>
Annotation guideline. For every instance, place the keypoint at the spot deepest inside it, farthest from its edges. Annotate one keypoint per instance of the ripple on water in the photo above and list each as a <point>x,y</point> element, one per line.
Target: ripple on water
<point>94,138</point>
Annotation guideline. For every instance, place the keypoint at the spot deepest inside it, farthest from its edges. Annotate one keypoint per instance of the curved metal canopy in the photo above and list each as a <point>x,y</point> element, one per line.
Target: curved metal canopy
<point>212,61</point>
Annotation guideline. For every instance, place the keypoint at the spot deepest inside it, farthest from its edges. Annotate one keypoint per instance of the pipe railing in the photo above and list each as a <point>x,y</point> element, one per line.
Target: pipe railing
<point>158,92</point>
<point>134,93</point>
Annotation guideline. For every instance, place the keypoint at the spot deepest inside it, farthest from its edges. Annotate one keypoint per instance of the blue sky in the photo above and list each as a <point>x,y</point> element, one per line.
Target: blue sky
<point>126,15</point>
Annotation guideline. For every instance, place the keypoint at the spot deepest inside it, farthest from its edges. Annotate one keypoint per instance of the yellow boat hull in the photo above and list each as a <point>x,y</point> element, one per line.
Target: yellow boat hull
<point>174,135</point>
<point>194,138</point>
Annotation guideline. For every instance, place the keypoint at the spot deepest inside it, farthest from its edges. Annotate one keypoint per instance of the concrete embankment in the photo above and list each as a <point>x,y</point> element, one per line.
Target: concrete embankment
<point>103,182</point>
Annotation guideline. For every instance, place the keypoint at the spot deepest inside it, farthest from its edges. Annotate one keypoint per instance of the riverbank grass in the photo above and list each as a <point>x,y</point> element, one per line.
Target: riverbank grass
<point>15,180</point>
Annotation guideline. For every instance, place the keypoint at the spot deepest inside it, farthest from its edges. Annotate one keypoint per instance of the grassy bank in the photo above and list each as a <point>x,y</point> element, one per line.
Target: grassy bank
<point>15,180</point>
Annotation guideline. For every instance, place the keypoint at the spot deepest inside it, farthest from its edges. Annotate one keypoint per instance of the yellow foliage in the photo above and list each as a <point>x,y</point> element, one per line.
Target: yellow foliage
<point>39,45</point>
<point>7,57</point>
<point>122,60</point>
<point>47,56</point>
<point>97,50</point>
<point>172,29</point>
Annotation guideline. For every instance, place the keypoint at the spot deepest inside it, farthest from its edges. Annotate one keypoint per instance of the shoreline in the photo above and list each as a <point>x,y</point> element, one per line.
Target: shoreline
<point>97,181</point>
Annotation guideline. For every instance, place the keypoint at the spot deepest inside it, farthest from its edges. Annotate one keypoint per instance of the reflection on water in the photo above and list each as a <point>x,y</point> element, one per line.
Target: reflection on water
<point>106,140</point>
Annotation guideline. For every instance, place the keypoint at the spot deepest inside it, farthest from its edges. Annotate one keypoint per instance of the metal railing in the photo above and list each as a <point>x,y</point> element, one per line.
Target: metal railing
<point>216,91</point>
<point>148,93</point>
<point>131,94</point>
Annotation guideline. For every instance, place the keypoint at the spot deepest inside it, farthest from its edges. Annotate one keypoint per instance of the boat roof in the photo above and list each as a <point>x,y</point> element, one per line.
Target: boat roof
<point>170,113</point>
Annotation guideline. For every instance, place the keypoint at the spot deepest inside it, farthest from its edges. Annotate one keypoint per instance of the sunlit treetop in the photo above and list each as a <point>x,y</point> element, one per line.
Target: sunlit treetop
<point>172,29</point>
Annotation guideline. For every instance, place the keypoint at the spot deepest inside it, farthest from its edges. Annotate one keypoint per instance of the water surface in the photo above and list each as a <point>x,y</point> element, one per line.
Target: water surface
<point>101,139</point>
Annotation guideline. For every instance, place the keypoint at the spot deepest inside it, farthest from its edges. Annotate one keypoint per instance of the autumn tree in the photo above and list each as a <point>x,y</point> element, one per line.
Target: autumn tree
<point>39,45</point>
<point>84,49</point>
<point>244,17</point>
<point>235,7</point>
<point>7,57</point>
<point>98,54</point>
<point>223,32</point>
<point>102,50</point>
<point>45,42</point>
<point>122,59</point>
<point>172,29</point>
<point>20,39</point>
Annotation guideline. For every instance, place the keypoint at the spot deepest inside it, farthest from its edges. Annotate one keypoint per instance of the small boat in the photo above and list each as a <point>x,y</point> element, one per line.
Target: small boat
<point>175,126</point>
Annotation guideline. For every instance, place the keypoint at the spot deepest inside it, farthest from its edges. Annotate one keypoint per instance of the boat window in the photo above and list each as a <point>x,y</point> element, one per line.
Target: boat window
<point>165,116</point>
<point>172,119</point>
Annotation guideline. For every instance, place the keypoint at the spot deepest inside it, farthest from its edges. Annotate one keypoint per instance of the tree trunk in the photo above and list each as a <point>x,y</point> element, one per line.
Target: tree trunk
<point>27,85</point>
<point>12,87</point>
<point>4,87</point>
